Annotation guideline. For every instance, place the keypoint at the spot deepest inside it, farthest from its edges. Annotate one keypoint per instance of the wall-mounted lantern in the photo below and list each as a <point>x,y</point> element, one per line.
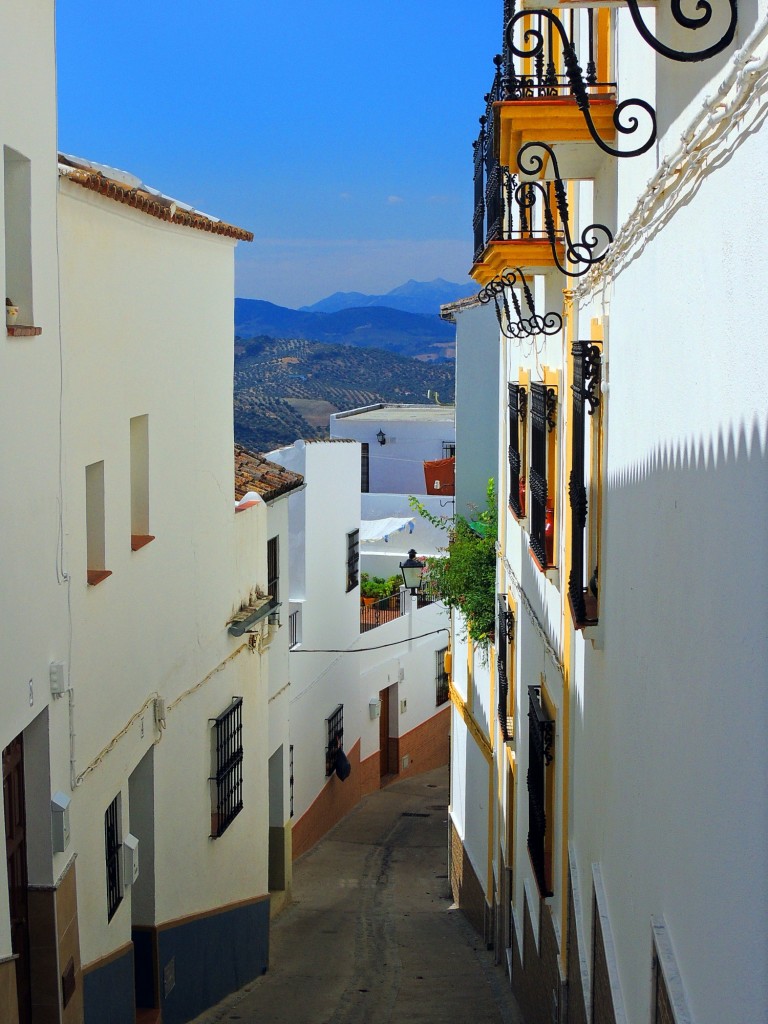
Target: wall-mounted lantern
<point>381,437</point>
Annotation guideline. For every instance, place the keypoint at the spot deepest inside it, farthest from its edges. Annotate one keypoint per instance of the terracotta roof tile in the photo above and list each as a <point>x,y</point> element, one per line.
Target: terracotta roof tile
<point>255,473</point>
<point>135,193</point>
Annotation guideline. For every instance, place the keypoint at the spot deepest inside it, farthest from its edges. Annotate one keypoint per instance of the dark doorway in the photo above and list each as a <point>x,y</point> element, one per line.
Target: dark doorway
<point>16,856</point>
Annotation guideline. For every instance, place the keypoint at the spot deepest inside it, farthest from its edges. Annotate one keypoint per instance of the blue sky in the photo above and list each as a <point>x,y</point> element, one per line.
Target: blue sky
<point>339,133</point>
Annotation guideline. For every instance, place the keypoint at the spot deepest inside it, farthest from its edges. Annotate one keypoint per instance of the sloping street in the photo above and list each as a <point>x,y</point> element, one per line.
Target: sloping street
<point>371,934</point>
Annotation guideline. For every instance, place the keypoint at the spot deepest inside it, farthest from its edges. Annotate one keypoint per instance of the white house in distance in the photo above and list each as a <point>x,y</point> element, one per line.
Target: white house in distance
<point>378,690</point>
<point>608,809</point>
<point>399,443</point>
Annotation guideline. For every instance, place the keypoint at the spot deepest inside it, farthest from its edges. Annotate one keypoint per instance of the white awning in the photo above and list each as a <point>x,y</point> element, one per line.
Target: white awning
<point>372,530</point>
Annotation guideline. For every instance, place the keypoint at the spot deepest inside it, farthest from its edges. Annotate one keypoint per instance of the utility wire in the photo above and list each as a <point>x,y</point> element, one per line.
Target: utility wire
<point>355,650</point>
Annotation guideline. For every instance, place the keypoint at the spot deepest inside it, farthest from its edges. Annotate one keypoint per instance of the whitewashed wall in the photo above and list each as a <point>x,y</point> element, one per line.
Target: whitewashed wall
<point>146,314</point>
<point>414,433</point>
<point>33,603</point>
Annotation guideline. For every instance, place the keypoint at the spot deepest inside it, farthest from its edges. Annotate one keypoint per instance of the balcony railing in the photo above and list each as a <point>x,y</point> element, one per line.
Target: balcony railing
<point>386,609</point>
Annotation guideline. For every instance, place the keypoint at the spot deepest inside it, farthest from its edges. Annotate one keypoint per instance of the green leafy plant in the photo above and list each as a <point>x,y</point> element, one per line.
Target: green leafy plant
<point>465,578</point>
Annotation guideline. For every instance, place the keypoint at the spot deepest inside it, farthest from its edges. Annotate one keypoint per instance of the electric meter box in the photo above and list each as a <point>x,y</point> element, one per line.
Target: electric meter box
<point>60,821</point>
<point>131,858</point>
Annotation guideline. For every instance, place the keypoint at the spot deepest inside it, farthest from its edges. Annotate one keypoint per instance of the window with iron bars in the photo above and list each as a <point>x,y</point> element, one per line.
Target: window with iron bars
<point>541,735</point>
<point>353,559</point>
<point>294,628</point>
<point>273,571</point>
<point>112,848</point>
<point>516,447</point>
<point>505,637</point>
<point>365,463</point>
<point>542,513</point>
<point>334,733</point>
<point>449,449</point>
<point>441,677</point>
<point>290,778</point>
<point>582,594</point>
<point>227,783</point>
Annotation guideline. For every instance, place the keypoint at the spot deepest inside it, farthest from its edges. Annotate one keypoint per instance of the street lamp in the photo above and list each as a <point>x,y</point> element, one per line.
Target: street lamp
<point>411,569</point>
<point>381,437</point>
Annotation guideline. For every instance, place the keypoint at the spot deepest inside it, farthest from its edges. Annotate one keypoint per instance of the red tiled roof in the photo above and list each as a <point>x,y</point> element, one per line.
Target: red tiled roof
<point>146,200</point>
<point>255,473</point>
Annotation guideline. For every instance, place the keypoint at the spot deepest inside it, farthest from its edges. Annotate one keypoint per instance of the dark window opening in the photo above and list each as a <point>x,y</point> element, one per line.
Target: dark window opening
<point>334,730</point>
<point>441,677</point>
<point>516,445</point>
<point>541,735</point>
<point>505,635</point>
<point>542,511</point>
<point>113,846</point>
<point>273,571</point>
<point>582,593</point>
<point>353,559</point>
<point>365,460</point>
<point>449,449</point>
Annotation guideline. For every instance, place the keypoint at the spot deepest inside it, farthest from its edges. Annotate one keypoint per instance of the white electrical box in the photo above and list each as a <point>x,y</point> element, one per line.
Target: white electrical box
<point>130,859</point>
<point>58,676</point>
<point>160,712</point>
<point>60,821</point>
<point>374,707</point>
<point>403,706</point>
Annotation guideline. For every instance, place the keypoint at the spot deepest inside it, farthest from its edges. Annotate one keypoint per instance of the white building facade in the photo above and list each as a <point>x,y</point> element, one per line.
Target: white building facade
<point>609,828</point>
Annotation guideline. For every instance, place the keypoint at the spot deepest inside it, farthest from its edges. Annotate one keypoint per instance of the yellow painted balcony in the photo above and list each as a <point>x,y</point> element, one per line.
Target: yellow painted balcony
<point>533,255</point>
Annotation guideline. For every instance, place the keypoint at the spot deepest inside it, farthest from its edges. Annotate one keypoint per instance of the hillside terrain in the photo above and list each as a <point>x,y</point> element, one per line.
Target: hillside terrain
<point>287,389</point>
<point>395,330</point>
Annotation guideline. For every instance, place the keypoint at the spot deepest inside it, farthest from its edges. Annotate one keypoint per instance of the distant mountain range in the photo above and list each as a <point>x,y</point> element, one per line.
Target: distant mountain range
<point>422,297</point>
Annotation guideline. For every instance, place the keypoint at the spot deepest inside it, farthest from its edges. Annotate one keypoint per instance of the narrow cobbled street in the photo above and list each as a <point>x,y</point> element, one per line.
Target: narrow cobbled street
<point>371,935</point>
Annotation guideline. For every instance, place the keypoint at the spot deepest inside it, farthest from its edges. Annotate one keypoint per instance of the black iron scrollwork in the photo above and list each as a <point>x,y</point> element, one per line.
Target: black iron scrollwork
<point>497,291</point>
<point>534,39</point>
<point>595,238</point>
<point>686,21</point>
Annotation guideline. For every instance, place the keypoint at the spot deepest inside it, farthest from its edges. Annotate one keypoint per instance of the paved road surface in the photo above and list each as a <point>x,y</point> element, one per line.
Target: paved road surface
<point>371,936</point>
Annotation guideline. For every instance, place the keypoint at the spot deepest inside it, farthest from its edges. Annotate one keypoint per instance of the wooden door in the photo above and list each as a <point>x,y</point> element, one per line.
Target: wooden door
<point>384,734</point>
<point>16,856</point>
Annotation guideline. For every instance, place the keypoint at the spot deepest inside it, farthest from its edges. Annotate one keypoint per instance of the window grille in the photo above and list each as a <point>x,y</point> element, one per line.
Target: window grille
<point>273,570</point>
<point>112,847</point>
<point>543,422</point>
<point>449,449</point>
<point>353,559</point>
<point>294,629</point>
<point>541,730</point>
<point>441,677</point>
<point>505,635</point>
<point>365,462</point>
<point>290,777</point>
<point>585,393</point>
<point>334,730</point>
<point>227,795</point>
<point>518,410</point>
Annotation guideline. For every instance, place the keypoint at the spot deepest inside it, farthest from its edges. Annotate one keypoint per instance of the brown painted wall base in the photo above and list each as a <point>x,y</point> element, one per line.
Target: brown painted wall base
<point>467,891</point>
<point>54,952</point>
<point>427,746</point>
<point>536,975</point>
<point>9,1009</point>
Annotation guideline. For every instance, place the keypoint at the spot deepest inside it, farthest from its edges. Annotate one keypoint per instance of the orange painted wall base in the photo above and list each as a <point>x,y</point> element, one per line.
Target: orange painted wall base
<point>426,747</point>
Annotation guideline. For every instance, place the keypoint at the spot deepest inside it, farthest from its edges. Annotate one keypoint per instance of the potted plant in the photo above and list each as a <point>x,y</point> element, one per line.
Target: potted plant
<point>11,313</point>
<point>371,588</point>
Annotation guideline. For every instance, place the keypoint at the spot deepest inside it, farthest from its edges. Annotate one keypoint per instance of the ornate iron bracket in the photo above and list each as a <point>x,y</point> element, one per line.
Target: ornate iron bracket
<point>587,383</point>
<point>524,327</point>
<point>577,84</point>
<point>591,248</point>
<point>684,20</point>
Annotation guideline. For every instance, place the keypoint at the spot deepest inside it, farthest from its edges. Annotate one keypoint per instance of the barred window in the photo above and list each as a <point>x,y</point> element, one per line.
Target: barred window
<point>505,633</point>
<point>516,447</point>
<point>273,571</point>
<point>449,449</point>
<point>112,848</point>
<point>541,735</point>
<point>365,463</point>
<point>227,783</point>
<point>441,677</point>
<point>582,593</point>
<point>334,733</point>
<point>542,511</point>
<point>353,559</point>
